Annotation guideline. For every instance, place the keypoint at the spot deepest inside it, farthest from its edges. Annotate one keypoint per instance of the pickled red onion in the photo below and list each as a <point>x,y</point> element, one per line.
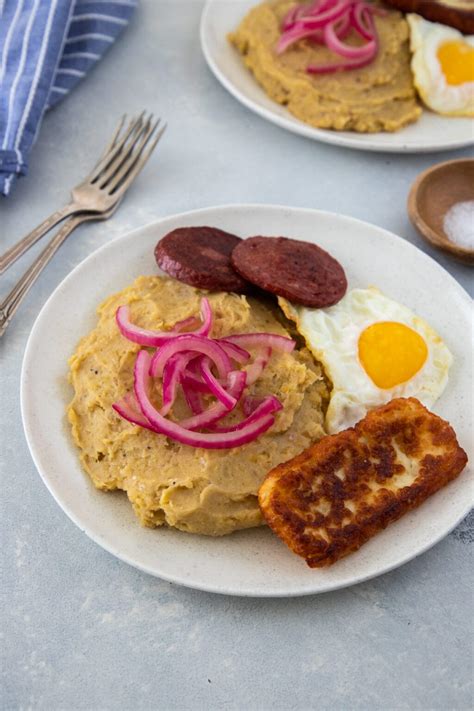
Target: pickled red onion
<point>236,385</point>
<point>129,409</point>
<point>254,340</point>
<point>329,22</point>
<point>193,397</point>
<point>190,380</point>
<point>208,440</point>
<point>234,351</point>
<point>267,406</point>
<point>187,360</point>
<point>225,397</point>
<point>172,373</point>
<point>185,323</point>
<point>191,342</point>
<point>145,337</point>
<point>346,50</point>
<point>250,403</point>
<point>256,369</point>
<point>360,15</point>
<point>305,27</point>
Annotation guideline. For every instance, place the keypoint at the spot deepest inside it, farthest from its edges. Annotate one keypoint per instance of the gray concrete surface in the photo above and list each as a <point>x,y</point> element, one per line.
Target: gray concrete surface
<point>85,631</point>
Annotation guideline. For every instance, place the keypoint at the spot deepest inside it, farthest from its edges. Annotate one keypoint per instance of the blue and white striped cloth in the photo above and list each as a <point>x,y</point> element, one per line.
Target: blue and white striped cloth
<point>46,47</point>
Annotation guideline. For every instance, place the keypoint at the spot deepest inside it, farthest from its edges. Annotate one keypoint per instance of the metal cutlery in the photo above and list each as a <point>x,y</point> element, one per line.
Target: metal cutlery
<point>122,160</point>
<point>96,198</point>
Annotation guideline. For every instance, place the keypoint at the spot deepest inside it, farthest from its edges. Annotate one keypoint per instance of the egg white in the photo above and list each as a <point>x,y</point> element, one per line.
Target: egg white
<point>332,335</point>
<point>425,40</point>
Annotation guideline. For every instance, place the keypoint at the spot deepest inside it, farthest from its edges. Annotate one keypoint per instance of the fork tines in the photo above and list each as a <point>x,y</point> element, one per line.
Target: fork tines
<point>127,153</point>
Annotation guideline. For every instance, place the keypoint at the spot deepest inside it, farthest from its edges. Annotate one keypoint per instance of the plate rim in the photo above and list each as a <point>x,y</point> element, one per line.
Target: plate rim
<point>294,125</point>
<point>110,547</point>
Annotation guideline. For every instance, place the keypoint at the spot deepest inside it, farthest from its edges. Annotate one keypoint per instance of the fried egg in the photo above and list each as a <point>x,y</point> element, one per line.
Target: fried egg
<point>443,66</point>
<point>372,349</point>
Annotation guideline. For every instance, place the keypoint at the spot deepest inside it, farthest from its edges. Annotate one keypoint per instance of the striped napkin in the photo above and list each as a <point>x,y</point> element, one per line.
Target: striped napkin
<point>46,47</point>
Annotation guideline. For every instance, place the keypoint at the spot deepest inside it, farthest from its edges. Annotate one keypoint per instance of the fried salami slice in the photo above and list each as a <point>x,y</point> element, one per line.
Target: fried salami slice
<point>200,256</point>
<point>299,271</point>
<point>456,13</point>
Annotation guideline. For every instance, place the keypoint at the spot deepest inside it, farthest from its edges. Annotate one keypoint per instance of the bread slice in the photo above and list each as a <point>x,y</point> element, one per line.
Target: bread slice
<point>456,13</point>
<point>330,499</point>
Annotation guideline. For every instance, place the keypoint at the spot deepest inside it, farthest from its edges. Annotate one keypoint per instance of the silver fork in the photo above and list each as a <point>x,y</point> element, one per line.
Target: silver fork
<point>11,303</point>
<point>105,185</point>
<point>124,177</point>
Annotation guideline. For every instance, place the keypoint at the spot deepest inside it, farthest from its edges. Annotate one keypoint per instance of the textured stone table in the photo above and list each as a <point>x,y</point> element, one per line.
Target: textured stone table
<point>85,631</point>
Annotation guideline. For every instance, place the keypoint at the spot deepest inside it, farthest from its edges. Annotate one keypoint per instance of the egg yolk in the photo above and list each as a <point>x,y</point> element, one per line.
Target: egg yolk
<point>457,62</point>
<point>391,353</point>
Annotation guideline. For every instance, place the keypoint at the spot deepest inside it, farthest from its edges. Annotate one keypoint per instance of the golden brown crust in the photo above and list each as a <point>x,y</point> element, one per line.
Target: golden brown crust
<point>455,13</point>
<point>330,499</point>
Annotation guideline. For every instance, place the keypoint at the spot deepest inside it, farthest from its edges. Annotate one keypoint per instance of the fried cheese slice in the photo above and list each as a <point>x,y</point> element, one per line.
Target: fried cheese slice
<point>329,500</point>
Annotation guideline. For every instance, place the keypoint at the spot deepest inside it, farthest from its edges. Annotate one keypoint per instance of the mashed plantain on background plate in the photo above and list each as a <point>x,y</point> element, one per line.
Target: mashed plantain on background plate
<point>378,97</point>
<point>212,492</point>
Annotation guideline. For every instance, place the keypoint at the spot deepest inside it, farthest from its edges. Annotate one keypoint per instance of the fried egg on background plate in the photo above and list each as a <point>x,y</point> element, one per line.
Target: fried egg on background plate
<point>443,66</point>
<point>372,349</point>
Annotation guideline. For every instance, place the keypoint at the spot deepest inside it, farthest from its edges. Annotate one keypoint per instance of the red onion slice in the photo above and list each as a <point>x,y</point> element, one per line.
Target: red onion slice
<point>176,431</point>
<point>201,345</point>
<point>236,385</point>
<point>290,18</point>
<point>126,408</point>
<point>317,37</point>
<point>267,406</point>
<point>299,11</point>
<point>359,17</point>
<point>342,27</point>
<point>172,372</point>
<point>145,337</point>
<point>186,323</point>
<point>214,385</point>
<point>235,352</point>
<point>305,26</point>
<point>255,370</point>
<point>250,403</point>
<point>136,334</point>
<point>346,50</point>
<point>329,22</point>
<point>190,380</point>
<point>188,359</point>
<point>256,340</point>
<point>206,315</point>
<point>193,397</point>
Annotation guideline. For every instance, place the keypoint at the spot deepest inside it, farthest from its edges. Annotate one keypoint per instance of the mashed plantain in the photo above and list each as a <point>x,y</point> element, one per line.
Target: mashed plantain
<point>196,490</point>
<point>378,97</point>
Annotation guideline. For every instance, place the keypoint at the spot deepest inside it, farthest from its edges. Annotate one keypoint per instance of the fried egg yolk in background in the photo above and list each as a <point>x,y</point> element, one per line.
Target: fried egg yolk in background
<point>443,66</point>
<point>373,349</point>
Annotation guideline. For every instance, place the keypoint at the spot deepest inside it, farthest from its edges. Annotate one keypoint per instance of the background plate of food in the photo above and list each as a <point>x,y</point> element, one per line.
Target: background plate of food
<point>385,81</point>
<point>77,438</point>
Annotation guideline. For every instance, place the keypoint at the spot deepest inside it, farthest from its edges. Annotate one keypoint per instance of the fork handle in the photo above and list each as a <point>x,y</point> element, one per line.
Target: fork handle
<point>9,306</point>
<point>18,249</point>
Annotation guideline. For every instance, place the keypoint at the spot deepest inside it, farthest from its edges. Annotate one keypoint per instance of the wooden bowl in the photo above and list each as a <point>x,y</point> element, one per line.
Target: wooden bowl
<point>433,193</point>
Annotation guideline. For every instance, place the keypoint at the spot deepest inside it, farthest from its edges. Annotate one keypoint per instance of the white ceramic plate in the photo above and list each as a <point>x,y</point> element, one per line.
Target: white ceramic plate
<point>252,562</point>
<point>430,133</point>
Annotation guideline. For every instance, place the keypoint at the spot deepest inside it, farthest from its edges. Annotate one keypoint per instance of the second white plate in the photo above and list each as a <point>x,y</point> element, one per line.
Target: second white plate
<point>431,133</point>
